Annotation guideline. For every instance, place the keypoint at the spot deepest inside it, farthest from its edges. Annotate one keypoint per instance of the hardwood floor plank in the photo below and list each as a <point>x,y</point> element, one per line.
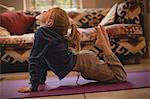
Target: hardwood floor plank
<point>143,93</point>
<point>79,96</point>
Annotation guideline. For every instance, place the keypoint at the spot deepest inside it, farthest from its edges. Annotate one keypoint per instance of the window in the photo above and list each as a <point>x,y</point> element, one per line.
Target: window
<point>46,4</point>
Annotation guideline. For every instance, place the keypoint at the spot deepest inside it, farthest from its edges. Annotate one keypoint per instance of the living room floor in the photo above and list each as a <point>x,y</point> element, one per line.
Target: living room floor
<point>143,93</point>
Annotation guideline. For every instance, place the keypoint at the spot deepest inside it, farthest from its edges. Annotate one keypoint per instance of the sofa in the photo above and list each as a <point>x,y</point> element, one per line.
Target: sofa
<point>123,22</point>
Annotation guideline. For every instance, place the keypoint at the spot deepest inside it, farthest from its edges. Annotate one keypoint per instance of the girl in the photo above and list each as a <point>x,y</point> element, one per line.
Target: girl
<point>50,49</point>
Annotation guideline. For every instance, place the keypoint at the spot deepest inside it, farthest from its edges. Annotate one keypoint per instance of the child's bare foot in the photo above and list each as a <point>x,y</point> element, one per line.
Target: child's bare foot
<point>102,41</point>
<point>105,35</point>
<point>24,90</point>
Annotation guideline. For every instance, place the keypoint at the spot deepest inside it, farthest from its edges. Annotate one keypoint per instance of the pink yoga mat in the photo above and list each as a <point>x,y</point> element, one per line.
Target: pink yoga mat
<point>67,86</point>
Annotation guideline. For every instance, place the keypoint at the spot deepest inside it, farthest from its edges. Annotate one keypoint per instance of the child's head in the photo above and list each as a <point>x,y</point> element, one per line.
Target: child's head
<point>55,18</point>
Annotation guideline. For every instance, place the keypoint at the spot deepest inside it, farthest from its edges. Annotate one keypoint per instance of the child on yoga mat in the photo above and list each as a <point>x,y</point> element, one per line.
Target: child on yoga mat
<point>50,49</point>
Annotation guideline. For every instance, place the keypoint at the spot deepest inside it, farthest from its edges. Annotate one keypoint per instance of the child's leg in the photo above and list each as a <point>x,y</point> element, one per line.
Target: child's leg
<point>94,69</point>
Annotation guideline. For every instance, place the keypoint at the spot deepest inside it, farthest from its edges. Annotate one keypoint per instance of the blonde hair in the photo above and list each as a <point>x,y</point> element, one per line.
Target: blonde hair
<point>75,37</point>
<point>61,24</point>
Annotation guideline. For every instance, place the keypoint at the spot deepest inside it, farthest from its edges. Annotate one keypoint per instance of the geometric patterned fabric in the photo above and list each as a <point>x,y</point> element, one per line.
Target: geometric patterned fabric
<point>126,35</point>
<point>125,49</point>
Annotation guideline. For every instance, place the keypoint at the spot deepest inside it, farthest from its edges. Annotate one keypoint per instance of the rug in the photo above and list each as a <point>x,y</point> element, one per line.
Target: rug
<point>68,86</point>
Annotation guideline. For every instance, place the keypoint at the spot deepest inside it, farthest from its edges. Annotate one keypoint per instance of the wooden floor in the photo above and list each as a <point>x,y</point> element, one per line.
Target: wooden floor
<point>143,93</point>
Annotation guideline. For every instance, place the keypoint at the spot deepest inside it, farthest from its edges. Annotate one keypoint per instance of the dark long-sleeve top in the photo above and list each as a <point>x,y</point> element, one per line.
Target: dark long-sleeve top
<point>50,49</point>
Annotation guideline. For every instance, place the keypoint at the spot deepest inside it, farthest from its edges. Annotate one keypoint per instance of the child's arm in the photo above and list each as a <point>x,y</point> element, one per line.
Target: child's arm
<point>40,46</point>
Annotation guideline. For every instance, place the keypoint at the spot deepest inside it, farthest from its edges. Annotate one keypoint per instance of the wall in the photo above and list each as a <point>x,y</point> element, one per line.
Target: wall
<point>99,3</point>
<point>17,4</point>
<point>148,12</point>
<point>147,17</point>
<point>147,25</point>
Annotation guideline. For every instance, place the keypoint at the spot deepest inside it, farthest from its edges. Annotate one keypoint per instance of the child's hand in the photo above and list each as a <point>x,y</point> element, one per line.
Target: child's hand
<point>24,90</point>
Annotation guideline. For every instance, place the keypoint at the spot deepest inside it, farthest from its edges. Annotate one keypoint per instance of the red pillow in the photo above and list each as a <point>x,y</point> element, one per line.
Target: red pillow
<point>16,22</point>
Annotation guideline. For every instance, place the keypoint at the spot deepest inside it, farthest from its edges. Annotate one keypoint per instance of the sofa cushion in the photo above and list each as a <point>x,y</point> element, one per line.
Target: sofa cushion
<point>15,56</point>
<point>16,22</point>
<point>124,30</point>
<point>24,41</point>
<point>121,31</point>
<point>128,13</point>
<point>128,50</point>
<point>87,18</point>
<point>110,17</point>
<point>4,32</point>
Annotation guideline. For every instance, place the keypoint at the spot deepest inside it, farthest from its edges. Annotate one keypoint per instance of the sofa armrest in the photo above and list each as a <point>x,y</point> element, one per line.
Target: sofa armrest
<point>17,41</point>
